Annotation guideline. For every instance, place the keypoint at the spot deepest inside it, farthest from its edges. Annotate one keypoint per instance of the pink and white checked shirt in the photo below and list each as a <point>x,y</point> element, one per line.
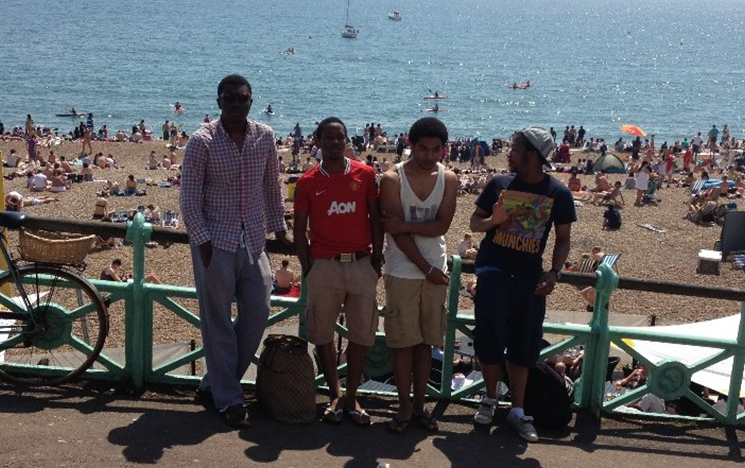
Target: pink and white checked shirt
<point>224,190</point>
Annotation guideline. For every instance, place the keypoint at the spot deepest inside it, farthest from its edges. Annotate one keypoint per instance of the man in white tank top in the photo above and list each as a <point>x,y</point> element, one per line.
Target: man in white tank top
<point>417,198</point>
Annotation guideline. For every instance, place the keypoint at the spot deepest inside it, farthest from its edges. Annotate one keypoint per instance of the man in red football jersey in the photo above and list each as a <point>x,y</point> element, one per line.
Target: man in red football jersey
<point>341,263</point>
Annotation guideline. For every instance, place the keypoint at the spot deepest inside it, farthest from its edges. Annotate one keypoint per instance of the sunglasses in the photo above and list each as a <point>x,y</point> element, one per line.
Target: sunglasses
<point>233,98</point>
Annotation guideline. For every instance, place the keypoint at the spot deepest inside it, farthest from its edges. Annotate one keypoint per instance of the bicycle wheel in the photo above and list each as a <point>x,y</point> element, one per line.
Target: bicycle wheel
<point>60,336</point>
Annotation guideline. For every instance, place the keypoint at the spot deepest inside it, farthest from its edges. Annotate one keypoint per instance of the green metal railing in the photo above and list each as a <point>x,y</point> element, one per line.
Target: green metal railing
<point>667,380</point>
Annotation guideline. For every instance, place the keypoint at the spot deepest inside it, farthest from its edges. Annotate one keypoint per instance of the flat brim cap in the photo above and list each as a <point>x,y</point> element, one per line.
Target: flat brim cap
<point>542,140</point>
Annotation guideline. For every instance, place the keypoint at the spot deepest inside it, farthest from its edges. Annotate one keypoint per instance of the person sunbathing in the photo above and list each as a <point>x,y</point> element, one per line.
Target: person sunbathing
<point>689,180</point>
<point>99,161</point>
<point>38,181</point>
<point>696,210</point>
<point>65,165</point>
<point>465,247</point>
<point>284,278</point>
<point>130,187</point>
<point>111,162</point>
<point>111,273</point>
<point>597,253</point>
<point>152,162</point>
<point>100,210</point>
<point>59,182</point>
<point>739,187</point>
<point>152,214</point>
<point>597,198</point>
<point>308,165</point>
<point>614,195</point>
<point>574,183</point>
<point>47,170</point>
<point>14,201</point>
<point>601,183</point>
<point>87,172</point>
<point>112,187</point>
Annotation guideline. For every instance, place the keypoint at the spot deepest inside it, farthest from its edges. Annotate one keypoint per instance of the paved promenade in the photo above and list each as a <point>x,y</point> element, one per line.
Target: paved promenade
<point>84,428</point>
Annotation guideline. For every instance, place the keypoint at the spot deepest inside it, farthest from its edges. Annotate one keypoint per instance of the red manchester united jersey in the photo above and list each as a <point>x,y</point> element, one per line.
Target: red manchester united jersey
<point>337,206</point>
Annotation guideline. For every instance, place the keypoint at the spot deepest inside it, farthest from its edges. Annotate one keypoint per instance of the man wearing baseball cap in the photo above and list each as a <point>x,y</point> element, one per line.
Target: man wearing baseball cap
<point>517,211</point>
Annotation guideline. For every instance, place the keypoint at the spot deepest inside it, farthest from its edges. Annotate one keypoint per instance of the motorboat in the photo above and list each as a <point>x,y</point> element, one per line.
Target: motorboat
<point>349,31</point>
<point>394,15</point>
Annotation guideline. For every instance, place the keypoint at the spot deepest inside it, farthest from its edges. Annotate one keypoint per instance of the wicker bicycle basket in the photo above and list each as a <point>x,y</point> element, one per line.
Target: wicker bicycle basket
<point>54,247</point>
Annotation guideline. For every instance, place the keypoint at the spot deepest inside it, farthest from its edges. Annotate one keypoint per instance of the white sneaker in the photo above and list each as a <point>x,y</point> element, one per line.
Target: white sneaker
<point>523,426</point>
<point>485,414</point>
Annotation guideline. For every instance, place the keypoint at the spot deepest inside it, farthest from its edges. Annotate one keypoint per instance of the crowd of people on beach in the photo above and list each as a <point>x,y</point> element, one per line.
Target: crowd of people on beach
<point>45,170</point>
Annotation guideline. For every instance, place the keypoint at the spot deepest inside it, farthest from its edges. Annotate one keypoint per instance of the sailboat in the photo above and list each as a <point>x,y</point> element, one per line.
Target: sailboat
<point>349,32</point>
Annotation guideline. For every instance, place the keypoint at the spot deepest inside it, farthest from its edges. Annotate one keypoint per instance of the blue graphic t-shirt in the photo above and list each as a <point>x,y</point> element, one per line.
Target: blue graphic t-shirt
<point>516,246</point>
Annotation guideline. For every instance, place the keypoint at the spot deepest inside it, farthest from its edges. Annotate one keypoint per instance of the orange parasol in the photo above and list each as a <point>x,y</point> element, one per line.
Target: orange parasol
<point>633,130</point>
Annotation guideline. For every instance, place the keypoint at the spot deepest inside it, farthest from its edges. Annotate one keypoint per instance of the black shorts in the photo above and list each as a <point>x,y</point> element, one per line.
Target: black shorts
<point>508,316</point>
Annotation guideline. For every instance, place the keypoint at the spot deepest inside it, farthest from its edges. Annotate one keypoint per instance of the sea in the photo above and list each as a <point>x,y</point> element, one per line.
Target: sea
<point>672,67</point>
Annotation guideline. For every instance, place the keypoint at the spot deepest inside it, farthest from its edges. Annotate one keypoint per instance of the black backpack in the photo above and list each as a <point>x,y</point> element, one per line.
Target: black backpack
<point>546,398</point>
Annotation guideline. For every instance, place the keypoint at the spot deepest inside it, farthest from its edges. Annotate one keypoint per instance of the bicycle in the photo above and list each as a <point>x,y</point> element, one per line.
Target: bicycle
<point>53,321</point>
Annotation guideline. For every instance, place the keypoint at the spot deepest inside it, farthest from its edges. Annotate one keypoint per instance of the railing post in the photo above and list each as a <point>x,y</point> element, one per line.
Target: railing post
<point>302,303</point>
<point>735,382</point>
<point>138,314</point>
<point>598,347</point>
<point>446,388</point>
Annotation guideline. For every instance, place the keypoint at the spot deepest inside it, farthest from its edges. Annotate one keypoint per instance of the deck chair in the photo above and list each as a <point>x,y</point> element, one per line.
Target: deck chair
<point>650,196</point>
<point>616,199</point>
<point>697,186</point>
<point>610,259</point>
<point>720,213</point>
<point>170,219</point>
<point>705,214</point>
<point>588,265</point>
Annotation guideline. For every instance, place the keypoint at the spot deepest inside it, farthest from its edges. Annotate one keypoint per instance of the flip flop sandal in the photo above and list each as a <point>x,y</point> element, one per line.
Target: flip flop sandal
<point>427,422</point>
<point>332,416</point>
<point>397,426</point>
<point>359,418</point>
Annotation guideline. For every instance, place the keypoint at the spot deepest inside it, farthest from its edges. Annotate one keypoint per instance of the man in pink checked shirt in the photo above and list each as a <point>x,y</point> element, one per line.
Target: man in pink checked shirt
<point>230,198</point>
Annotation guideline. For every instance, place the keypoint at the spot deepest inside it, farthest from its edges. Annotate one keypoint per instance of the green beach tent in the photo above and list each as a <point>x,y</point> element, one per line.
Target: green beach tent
<point>611,164</point>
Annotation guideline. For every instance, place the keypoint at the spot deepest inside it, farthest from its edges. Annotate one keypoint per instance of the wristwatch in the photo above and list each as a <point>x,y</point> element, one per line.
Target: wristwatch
<point>558,272</point>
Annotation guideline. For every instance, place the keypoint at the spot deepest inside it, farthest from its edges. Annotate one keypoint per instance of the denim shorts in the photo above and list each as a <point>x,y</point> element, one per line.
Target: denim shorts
<point>509,319</point>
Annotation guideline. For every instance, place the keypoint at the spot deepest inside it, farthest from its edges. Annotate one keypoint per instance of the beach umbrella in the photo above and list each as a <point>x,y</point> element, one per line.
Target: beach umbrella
<point>633,130</point>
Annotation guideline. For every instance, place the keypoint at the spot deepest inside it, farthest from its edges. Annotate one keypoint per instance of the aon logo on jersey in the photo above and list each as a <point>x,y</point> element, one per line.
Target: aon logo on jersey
<point>342,208</point>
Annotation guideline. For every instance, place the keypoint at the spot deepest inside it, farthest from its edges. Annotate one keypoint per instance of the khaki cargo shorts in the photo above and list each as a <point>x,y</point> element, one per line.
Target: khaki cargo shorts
<point>333,284</point>
<point>416,312</point>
